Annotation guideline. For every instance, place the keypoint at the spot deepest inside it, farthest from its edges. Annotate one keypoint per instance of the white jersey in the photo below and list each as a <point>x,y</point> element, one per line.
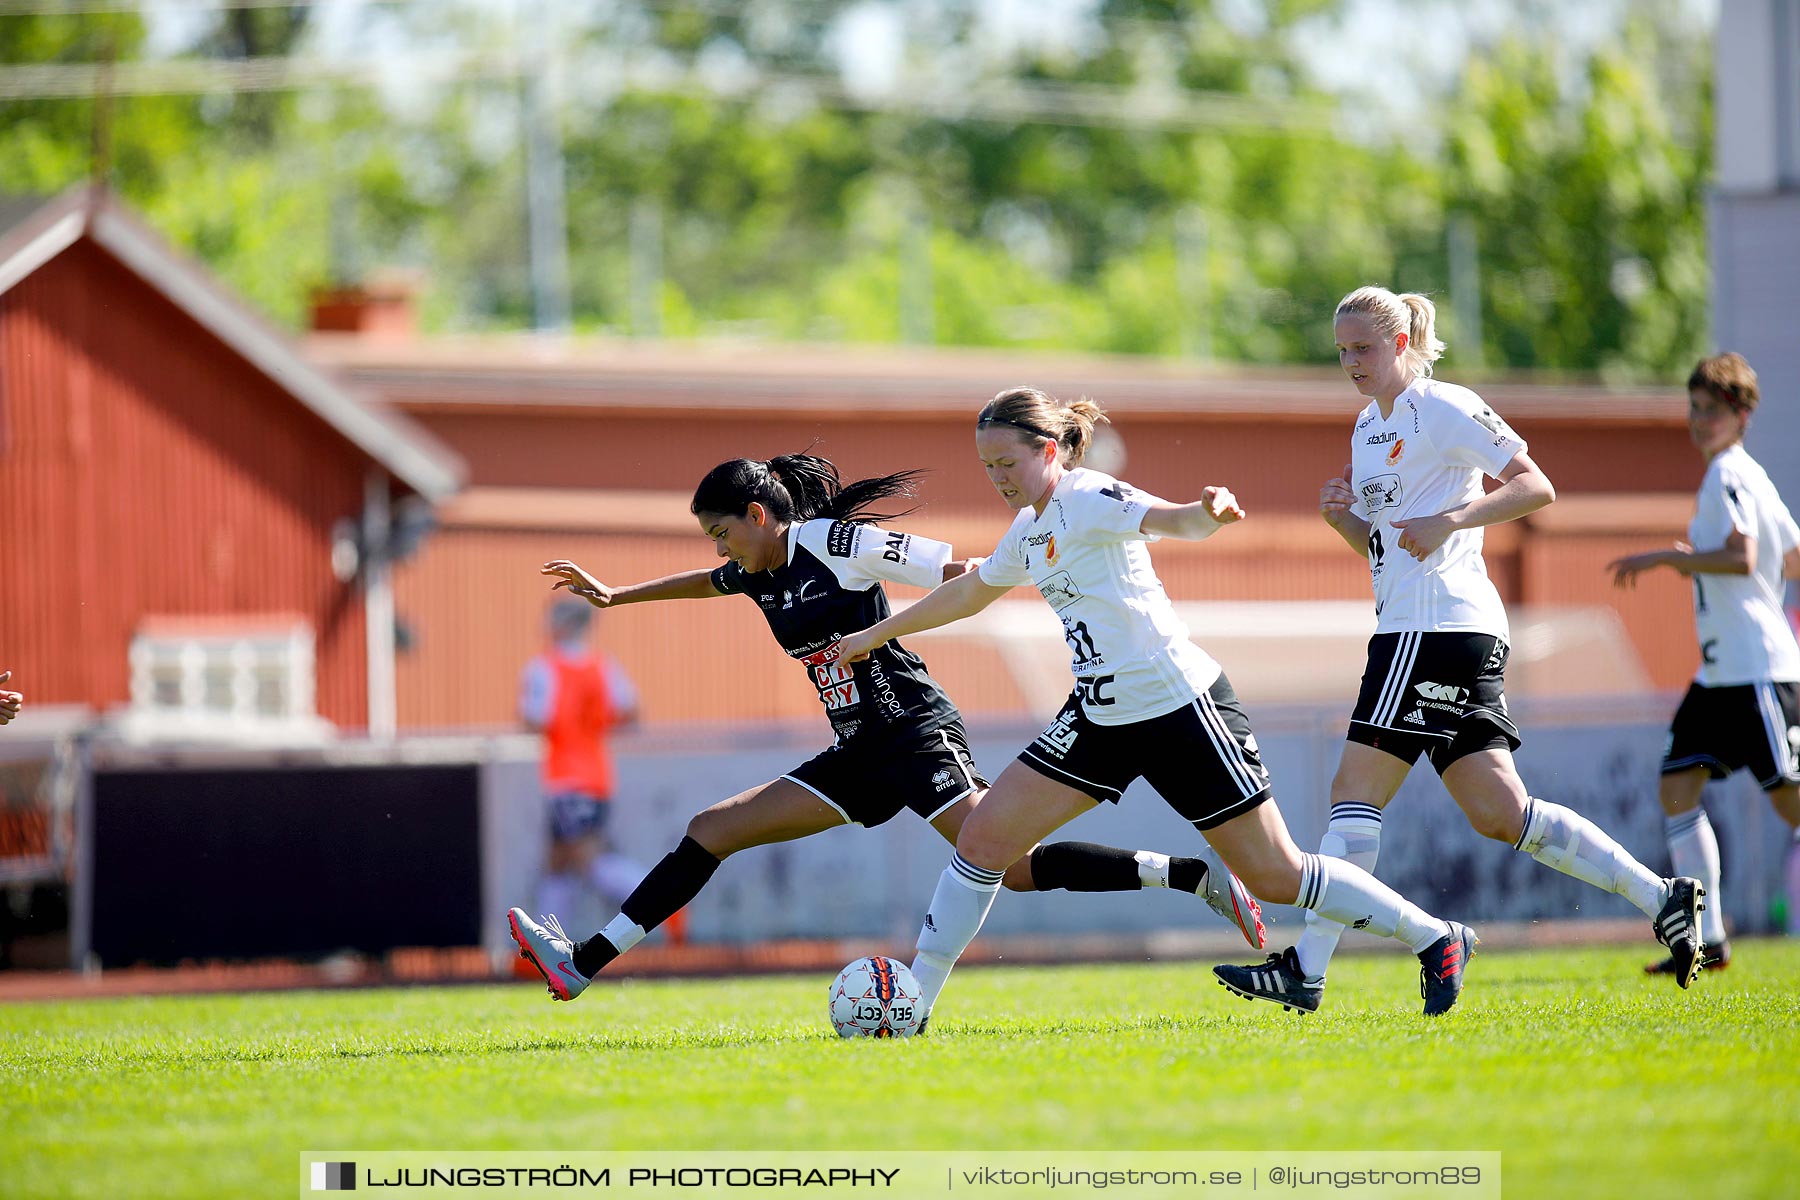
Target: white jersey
<point>1426,458</point>
<point>1744,634</point>
<point>1086,556</point>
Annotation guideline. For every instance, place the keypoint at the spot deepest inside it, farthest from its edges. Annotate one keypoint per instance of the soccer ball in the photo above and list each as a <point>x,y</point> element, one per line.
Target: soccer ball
<point>875,997</point>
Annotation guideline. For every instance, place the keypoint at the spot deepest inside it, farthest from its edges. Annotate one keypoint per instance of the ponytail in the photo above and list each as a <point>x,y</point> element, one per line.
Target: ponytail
<point>1042,417</point>
<point>1409,313</point>
<point>799,487</point>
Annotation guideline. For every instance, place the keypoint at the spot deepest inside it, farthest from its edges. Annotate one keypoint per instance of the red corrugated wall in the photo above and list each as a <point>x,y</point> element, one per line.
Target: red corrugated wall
<point>145,469</point>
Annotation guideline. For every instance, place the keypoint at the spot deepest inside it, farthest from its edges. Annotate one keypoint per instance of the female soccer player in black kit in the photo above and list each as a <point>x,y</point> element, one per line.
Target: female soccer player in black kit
<point>802,546</point>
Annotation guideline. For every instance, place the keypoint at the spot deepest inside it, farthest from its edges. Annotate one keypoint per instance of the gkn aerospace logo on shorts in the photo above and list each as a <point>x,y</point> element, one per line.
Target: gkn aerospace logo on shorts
<point>1445,697</point>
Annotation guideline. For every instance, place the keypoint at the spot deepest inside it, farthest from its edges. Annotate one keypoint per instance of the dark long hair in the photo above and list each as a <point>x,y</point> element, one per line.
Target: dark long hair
<point>799,487</point>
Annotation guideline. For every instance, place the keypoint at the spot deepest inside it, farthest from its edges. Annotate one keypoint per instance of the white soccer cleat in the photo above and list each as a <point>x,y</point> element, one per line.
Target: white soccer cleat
<point>550,950</point>
<point>1226,895</point>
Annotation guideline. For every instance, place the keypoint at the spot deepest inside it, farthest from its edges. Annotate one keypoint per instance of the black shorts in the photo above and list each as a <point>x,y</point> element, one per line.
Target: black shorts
<point>869,784</point>
<point>1752,725</point>
<point>1442,695</point>
<point>1201,758</point>
<point>576,815</point>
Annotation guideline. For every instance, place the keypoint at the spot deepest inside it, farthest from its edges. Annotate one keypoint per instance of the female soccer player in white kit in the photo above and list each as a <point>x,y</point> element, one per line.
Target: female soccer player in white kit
<point>1740,710</point>
<point>1147,703</point>
<point>1412,502</point>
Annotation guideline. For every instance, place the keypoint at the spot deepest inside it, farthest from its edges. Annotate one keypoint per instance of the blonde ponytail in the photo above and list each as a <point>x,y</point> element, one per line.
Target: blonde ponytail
<point>1411,314</point>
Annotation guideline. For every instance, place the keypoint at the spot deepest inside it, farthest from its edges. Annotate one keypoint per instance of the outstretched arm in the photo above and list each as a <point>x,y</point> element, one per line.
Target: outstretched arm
<point>1736,557</point>
<point>961,597</point>
<point>1215,509</point>
<point>689,585</point>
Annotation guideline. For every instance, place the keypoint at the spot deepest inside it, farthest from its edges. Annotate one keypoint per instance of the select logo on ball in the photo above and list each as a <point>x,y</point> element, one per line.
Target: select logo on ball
<point>875,997</point>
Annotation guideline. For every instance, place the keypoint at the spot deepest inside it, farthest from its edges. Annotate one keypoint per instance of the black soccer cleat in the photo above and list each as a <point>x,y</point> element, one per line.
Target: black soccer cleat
<point>1278,978</point>
<point>1715,957</point>
<point>1678,927</point>
<point>1441,967</point>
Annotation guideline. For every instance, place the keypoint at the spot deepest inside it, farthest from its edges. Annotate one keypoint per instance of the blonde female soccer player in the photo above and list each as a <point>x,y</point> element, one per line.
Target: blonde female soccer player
<point>1412,502</point>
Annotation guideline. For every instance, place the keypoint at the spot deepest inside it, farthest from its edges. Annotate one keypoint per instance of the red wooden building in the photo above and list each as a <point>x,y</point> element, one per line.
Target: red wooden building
<point>197,519</point>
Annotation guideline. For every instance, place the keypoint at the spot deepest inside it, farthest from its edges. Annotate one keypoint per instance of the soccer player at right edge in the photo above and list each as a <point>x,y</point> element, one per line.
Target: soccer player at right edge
<point>1148,703</point>
<point>1412,502</point>
<point>1740,710</point>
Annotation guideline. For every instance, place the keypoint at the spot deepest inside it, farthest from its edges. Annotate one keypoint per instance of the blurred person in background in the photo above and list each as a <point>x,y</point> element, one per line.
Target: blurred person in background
<point>574,697</point>
<point>10,702</point>
<point>1740,711</point>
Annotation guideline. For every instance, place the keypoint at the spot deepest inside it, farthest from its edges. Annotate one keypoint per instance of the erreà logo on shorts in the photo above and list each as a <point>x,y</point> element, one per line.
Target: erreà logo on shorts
<point>334,1177</point>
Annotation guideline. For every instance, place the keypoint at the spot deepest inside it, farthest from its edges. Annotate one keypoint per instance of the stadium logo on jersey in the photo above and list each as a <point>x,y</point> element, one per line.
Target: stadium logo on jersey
<point>1059,591</point>
<point>1379,439</point>
<point>1381,492</point>
<point>840,539</point>
<point>1393,456</point>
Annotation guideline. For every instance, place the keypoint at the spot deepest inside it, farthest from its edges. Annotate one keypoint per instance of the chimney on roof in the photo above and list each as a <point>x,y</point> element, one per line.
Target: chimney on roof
<point>385,305</point>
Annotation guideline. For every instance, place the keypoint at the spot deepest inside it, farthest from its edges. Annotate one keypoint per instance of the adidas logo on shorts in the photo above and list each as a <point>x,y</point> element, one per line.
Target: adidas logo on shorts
<point>1413,718</point>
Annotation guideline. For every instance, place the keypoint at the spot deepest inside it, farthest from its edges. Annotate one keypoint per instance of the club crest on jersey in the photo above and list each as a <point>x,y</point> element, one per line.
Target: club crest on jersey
<point>1393,456</point>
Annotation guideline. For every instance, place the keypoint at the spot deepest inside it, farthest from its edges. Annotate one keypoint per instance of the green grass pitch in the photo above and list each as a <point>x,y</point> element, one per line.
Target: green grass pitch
<point>1589,1078</point>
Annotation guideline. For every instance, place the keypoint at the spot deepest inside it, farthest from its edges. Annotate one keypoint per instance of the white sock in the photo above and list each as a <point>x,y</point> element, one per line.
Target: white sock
<point>1695,852</point>
<point>558,894</point>
<point>623,933</point>
<point>964,894</point>
<point>1350,895</point>
<point>1564,839</point>
<point>1153,869</point>
<point>1354,835</point>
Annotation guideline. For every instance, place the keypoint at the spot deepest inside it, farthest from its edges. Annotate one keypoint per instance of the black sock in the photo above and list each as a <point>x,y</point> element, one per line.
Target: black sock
<point>1186,874</point>
<point>668,887</point>
<point>1084,867</point>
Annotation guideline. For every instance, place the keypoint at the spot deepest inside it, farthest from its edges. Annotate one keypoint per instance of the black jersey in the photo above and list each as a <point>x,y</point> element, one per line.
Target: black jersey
<point>830,586</point>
